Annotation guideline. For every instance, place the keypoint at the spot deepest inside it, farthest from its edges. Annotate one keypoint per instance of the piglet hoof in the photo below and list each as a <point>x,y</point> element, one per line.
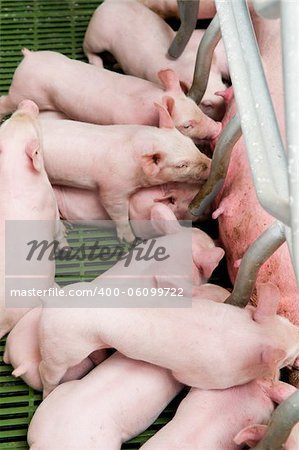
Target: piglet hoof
<point>124,233</point>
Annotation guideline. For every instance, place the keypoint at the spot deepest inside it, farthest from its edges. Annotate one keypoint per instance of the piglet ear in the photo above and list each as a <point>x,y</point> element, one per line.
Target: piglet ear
<point>251,435</point>
<point>165,120</point>
<point>268,298</point>
<point>163,220</point>
<point>151,164</point>
<point>168,102</point>
<point>32,150</point>
<point>170,80</point>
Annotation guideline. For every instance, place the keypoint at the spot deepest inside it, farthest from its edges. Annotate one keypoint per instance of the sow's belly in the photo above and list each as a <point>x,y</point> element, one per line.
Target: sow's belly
<point>242,220</point>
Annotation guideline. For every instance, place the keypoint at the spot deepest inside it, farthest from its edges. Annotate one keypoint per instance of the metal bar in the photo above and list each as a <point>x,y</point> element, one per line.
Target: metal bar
<point>220,162</point>
<point>283,419</point>
<point>188,10</point>
<point>204,60</point>
<point>255,256</point>
<point>271,201</point>
<point>290,41</point>
<point>272,141</point>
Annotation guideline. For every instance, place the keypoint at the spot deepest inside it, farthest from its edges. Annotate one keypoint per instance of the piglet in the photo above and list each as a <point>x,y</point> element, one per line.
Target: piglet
<point>100,158</point>
<point>259,342</point>
<point>208,420</point>
<point>26,194</point>
<point>154,38</point>
<point>105,97</point>
<point>26,358</point>
<point>83,204</point>
<point>205,257</point>
<point>102,410</point>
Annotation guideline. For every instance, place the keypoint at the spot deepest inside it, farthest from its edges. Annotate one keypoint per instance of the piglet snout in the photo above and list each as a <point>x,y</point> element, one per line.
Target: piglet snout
<point>203,168</point>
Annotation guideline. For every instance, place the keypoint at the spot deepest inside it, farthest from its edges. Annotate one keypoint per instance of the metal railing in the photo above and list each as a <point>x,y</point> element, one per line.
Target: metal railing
<point>275,169</point>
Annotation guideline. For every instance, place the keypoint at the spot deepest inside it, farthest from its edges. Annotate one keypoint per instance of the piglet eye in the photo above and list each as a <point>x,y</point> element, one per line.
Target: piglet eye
<point>186,126</point>
<point>172,200</point>
<point>182,166</point>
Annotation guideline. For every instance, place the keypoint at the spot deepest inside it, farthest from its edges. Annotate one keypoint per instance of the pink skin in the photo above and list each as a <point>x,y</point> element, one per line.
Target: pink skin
<point>103,409</point>
<point>197,427</point>
<point>26,194</point>
<point>104,97</point>
<point>26,360</point>
<point>241,218</point>
<point>107,22</point>
<point>100,158</point>
<point>81,204</point>
<point>252,434</point>
<point>259,344</point>
<point>209,420</point>
<point>141,383</point>
<point>205,257</point>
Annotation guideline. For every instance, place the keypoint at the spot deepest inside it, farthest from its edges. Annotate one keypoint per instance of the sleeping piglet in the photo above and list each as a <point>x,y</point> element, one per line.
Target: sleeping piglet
<point>105,97</point>
<point>99,411</point>
<point>98,157</point>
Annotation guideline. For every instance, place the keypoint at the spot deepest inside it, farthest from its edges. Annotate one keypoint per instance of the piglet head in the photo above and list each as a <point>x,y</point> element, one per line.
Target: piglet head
<point>206,256</point>
<point>175,157</point>
<point>23,125</point>
<point>285,334</point>
<point>185,114</point>
<point>178,196</point>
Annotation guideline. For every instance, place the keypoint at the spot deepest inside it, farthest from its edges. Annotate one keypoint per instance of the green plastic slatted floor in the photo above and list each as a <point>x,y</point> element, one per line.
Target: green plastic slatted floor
<point>59,26</point>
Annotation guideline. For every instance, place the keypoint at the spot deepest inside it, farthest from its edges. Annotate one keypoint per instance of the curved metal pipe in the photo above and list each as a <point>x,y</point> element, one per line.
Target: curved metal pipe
<point>220,162</point>
<point>204,60</point>
<point>188,11</point>
<point>283,419</point>
<point>255,256</point>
